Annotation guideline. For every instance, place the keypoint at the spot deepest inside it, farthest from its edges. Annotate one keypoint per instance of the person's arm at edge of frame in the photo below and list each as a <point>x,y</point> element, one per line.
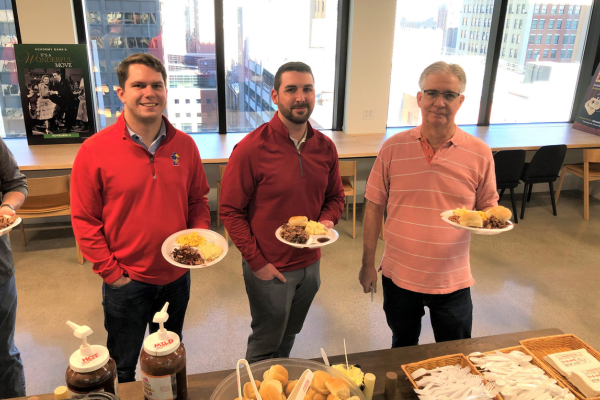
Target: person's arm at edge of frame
<point>486,194</point>
<point>198,208</point>
<point>86,212</point>
<point>371,228</point>
<point>14,186</point>
<point>333,206</point>
<point>237,187</point>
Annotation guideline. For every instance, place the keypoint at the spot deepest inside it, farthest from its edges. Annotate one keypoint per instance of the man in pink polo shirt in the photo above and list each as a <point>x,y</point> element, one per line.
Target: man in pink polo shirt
<point>419,173</point>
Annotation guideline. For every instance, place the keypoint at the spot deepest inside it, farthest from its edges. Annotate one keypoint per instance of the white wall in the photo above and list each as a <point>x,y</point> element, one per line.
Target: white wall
<point>47,21</point>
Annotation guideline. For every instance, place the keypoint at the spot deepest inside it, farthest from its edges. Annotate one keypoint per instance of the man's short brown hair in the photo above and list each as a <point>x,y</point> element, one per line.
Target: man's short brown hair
<point>139,58</point>
<point>297,66</point>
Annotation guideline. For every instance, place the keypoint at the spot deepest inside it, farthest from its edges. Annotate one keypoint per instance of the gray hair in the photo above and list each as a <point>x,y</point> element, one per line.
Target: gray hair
<point>444,67</point>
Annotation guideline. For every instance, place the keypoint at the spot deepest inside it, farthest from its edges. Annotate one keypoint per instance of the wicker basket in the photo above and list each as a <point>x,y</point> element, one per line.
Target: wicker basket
<point>455,359</point>
<point>541,347</point>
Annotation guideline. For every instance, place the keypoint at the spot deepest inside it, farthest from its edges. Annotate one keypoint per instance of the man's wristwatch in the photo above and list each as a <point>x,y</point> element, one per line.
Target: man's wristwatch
<point>8,205</point>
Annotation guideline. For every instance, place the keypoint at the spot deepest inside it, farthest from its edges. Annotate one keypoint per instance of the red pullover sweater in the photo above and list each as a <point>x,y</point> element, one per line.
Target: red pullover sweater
<point>126,202</point>
<point>267,181</point>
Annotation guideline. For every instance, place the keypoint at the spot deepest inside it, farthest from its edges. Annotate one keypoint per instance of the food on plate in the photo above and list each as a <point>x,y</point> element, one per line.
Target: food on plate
<point>501,213</point>
<point>192,239</point>
<point>298,221</point>
<point>210,251</point>
<point>318,382</point>
<point>187,255</point>
<point>338,387</point>
<point>6,221</point>
<point>294,234</point>
<point>249,390</point>
<point>495,218</point>
<point>278,373</point>
<point>472,219</point>
<point>315,228</point>
<point>354,373</point>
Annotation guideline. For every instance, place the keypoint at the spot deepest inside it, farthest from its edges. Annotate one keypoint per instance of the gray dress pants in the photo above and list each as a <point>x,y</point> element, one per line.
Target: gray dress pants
<point>278,310</point>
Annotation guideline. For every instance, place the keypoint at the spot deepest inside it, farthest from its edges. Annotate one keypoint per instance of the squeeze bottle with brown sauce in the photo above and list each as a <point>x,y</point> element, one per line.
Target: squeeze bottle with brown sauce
<point>163,363</point>
<point>91,368</point>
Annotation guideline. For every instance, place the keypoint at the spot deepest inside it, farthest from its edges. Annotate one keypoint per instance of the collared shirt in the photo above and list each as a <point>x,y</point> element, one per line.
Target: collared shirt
<point>298,143</point>
<point>162,133</point>
<point>422,252</point>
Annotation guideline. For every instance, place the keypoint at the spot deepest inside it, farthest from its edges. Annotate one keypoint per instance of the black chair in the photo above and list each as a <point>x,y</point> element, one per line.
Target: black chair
<point>543,168</point>
<point>509,166</point>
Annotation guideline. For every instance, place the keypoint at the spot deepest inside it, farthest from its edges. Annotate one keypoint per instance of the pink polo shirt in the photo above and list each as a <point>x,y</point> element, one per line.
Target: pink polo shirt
<point>423,253</point>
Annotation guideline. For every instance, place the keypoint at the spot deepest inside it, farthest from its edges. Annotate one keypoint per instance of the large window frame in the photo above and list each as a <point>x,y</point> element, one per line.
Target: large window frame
<point>341,59</point>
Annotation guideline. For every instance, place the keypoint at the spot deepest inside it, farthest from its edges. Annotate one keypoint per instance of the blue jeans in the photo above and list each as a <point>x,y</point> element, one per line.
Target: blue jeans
<point>12,377</point>
<point>130,308</point>
<point>451,314</point>
<point>278,310</point>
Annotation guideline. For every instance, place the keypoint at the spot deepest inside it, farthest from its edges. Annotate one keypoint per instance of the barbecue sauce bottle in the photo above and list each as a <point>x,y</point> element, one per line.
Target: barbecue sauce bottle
<point>91,368</point>
<point>163,362</point>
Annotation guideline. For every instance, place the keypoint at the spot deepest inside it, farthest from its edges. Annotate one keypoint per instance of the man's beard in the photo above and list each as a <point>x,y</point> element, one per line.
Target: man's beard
<point>288,113</point>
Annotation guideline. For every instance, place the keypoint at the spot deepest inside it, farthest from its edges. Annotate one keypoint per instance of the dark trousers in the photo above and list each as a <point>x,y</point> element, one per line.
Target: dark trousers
<point>130,308</point>
<point>278,310</point>
<point>451,314</point>
<point>12,377</point>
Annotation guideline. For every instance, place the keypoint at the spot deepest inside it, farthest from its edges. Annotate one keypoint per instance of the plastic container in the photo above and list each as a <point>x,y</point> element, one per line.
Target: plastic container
<point>163,363</point>
<point>228,390</point>
<point>91,369</point>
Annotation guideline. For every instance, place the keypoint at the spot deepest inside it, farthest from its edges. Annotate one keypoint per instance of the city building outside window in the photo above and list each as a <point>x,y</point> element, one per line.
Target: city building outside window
<point>569,53</point>
<point>508,23</point>
<point>529,52</point>
<point>534,24</point>
<point>574,24</point>
<point>176,101</point>
<point>518,8</point>
<point>556,39</point>
<point>568,24</point>
<point>188,115</point>
<point>544,9</point>
<point>518,39</point>
<point>546,51</point>
<point>538,39</point>
<point>198,101</point>
<point>570,10</point>
<point>536,52</point>
<point>536,9</point>
<point>553,54</point>
<point>187,128</point>
<point>548,39</point>
<point>572,41</point>
<point>520,24</point>
<point>553,10</point>
<point>563,53</point>
<point>514,38</point>
<point>187,101</point>
<point>541,24</point>
<point>559,23</point>
<point>177,115</point>
<point>566,39</point>
<point>531,39</point>
<point>198,115</point>
<point>561,9</point>
<point>577,10</point>
<point>551,24</point>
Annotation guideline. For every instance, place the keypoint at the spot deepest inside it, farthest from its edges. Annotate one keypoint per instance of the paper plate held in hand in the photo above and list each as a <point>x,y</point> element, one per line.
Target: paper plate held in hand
<point>478,231</point>
<point>171,244</point>
<point>314,241</point>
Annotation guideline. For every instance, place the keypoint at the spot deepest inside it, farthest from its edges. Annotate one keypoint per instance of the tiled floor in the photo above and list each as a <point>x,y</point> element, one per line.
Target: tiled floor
<point>542,274</point>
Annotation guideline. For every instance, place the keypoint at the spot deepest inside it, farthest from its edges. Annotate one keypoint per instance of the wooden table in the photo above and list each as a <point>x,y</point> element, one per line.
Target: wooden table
<point>216,149</point>
<point>379,362</point>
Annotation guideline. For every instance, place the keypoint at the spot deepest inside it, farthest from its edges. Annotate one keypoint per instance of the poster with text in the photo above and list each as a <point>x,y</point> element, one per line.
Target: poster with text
<point>588,117</point>
<point>55,92</point>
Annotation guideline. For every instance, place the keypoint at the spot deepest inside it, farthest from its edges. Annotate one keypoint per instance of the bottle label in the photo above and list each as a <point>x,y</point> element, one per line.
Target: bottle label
<point>80,395</point>
<point>159,387</point>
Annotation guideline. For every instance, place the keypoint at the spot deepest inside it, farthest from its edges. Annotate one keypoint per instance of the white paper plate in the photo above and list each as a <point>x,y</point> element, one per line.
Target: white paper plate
<point>478,231</point>
<point>10,227</point>
<point>312,240</point>
<point>171,243</point>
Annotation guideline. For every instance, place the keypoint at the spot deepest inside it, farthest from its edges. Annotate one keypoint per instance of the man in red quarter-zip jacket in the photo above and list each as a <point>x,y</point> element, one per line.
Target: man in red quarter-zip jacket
<point>282,169</point>
<point>134,184</point>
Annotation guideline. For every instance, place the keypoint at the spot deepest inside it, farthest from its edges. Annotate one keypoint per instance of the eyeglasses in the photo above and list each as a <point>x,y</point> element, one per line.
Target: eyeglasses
<point>434,94</point>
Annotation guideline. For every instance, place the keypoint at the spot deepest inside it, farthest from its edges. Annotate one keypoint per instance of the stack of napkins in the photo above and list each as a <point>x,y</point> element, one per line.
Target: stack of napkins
<point>580,367</point>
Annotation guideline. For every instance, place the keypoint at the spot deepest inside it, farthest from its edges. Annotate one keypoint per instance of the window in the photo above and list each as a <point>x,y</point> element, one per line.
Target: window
<point>553,10</point>
<point>12,124</point>
<point>541,24</point>
<point>187,101</point>
<point>574,24</point>
<point>534,24</point>
<point>551,24</point>
<point>518,8</point>
<point>536,9</point>
<point>568,24</point>
<point>505,37</point>
<point>198,115</point>
<point>208,101</point>
<point>520,23</point>
<point>199,127</point>
<point>561,9</point>
<point>516,24</point>
<point>508,23</point>
<point>503,52</point>
<point>558,23</point>
<point>518,39</point>
<point>577,10</point>
<point>129,27</point>
<point>572,41</point>
<point>520,91</point>
<point>510,9</point>
<point>510,53</point>
<point>188,115</point>
<point>515,54</point>
<point>570,10</point>
<point>538,39</point>
<point>198,101</point>
<point>187,128</point>
<point>566,39</point>
<point>514,37</point>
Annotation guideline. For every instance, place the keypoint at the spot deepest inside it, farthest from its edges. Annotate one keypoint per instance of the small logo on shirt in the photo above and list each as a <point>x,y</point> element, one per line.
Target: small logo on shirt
<point>175,158</point>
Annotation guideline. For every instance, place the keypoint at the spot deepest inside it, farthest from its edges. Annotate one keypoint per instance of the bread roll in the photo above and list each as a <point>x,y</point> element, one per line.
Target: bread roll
<point>278,373</point>
<point>332,397</point>
<point>338,387</point>
<point>298,221</point>
<point>269,392</point>
<point>318,382</point>
<point>502,213</point>
<point>272,382</point>
<point>320,396</point>
<point>249,390</point>
<point>310,394</point>
<point>471,219</point>
<point>289,387</point>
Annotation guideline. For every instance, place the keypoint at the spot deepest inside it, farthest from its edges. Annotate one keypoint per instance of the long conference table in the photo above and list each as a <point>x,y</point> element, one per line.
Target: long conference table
<point>378,362</point>
<point>216,149</point>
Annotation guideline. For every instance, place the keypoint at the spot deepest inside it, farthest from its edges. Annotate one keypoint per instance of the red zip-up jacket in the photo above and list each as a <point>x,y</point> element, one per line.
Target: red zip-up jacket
<point>267,181</point>
<point>125,202</point>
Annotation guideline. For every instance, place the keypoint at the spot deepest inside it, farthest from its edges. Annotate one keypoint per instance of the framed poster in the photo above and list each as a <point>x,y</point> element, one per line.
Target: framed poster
<point>55,92</point>
<point>588,117</point>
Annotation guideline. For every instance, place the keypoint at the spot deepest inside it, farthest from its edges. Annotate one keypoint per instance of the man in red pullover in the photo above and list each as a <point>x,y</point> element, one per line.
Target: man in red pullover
<point>282,169</point>
<point>133,185</point>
